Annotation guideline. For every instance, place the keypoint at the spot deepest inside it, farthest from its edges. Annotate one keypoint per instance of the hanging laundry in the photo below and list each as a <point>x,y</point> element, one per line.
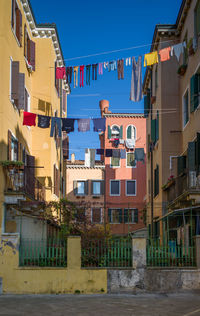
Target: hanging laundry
<point>100,68</point>
<point>139,154</point>
<point>69,74</point>
<point>44,121</point>
<point>76,76</point>
<point>88,68</point>
<point>128,61</point>
<point>150,59</point>
<point>105,64</point>
<point>165,54</point>
<point>55,121</point>
<point>178,49</point>
<point>60,72</point>
<point>136,80</point>
<point>123,153</point>
<point>116,153</point>
<point>29,119</point>
<point>130,143</point>
<point>112,65</point>
<point>99,124</point>
<point>81,75</point>
<point>100,151</point>
<point>68,125</point>
<point>84,125</point>
<point>94,71</point>
<point>108,152</point>
<point>120,69</point>
<point>121,141</point>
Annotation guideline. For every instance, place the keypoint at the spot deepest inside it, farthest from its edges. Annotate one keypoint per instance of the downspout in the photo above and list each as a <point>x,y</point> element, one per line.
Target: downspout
<point>151,166</point>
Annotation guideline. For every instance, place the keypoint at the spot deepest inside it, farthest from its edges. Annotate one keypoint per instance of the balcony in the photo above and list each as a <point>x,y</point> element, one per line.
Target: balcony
<point>22,182</point>
<point>185,188</point>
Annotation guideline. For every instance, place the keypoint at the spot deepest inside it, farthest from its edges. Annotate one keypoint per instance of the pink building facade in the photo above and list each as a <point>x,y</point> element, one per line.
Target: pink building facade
<point>125,178</point>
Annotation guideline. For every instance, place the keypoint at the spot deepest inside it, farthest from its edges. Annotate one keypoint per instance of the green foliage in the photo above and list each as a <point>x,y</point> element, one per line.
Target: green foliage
<point>6,163</point>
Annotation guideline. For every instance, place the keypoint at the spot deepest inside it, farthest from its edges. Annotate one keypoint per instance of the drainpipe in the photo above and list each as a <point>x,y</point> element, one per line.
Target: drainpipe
<point>151,166</point>
<point>61,149</point>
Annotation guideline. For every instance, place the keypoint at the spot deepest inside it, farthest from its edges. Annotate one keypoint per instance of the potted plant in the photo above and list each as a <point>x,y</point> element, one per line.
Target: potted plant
<point>182,69</point>
<point>170,181</point>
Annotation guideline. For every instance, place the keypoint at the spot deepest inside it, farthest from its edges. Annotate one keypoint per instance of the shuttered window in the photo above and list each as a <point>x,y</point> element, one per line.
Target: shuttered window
<point>130,216</point>
<point>115,216</point>
<point>80,187</point>
<point>185,109</point>
<point>114,187</point>
<point>156,181</point>
<point>29,49</point>
<point>130,160</point>
<point>191,156</point>
<point>65,145</point>
<point>16,21</point>
<point>96,217</point>
<point>97,187</point>
<point>181,165</point>
<point>109,132</point>
<point>15,81</point>
<point>147,103</point>
<point>131,132</point>
<point>194,92</point>
<point>197,19</point>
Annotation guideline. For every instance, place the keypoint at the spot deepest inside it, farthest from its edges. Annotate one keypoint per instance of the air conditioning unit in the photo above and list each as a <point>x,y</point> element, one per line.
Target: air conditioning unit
<point>192,179</point>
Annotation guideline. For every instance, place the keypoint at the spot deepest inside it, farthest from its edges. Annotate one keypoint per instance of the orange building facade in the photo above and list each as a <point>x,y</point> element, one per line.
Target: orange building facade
<point>125,178</point>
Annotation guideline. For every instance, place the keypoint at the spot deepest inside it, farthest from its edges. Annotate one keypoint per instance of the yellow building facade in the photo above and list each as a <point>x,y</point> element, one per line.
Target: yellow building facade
<point>29,54</point>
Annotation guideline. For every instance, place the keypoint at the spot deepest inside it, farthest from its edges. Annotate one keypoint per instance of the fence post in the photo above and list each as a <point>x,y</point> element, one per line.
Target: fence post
<point>74,252</point>
<point>139,252</point>
<point>197,249</point>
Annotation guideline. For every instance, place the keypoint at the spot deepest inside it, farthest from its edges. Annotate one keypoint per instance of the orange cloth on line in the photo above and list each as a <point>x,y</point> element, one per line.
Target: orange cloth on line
<point>165,54</point>
<point>150,59</point>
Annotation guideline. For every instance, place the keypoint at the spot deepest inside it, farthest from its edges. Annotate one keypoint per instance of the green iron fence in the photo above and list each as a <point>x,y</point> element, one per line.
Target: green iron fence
<point>43,253</point>
<point>171,255</point>
<point>106,253</point>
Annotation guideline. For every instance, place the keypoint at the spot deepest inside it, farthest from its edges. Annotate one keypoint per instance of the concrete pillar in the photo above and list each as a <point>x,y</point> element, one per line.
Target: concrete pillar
<point>139,252</point>
<point>74,252</point>
<point>197,244</point>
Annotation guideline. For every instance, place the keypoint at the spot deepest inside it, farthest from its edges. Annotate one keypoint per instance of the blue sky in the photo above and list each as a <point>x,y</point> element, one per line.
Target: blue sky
<point>94,27</point>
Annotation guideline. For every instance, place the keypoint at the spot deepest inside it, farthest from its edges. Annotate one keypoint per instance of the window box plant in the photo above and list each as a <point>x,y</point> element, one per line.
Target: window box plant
<point>170,182</point>
<point>9,164</point>
<point>182,69</point>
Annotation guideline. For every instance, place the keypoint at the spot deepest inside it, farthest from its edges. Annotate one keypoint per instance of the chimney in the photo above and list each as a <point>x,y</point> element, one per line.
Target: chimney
<point>104,106</point>
<point>73,158</point>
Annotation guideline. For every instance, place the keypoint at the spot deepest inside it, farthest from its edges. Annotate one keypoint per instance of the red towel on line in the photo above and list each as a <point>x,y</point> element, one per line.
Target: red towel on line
<point>60,73</point>
<point>29,119</point>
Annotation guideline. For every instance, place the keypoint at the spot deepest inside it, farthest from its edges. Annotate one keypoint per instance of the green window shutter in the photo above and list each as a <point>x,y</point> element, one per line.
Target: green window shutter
<point>109,132</point>
<point>193,92</point>
<point>129,130</point>
<point>136,216</point>
<point>109,215</point>
<point>147,103</point>
<point>181,164</point>
<point>153,131</point>
<point>75,187</point>
<point>198,154</point>
<point>191,156</point>
<point>121,132</point>
<point>120,216</point>
<point>157,126</point>
<point>125,215</point>
<point>198,18</point>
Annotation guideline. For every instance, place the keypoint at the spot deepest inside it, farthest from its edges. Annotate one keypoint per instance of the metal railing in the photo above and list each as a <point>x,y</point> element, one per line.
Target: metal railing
<point>43,253</point>
<point>171,255</point>
<point>116,252</point>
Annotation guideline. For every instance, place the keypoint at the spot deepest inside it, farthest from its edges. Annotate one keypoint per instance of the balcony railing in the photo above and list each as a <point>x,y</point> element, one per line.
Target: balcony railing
<point>24,181</point>
<point>187,182</point>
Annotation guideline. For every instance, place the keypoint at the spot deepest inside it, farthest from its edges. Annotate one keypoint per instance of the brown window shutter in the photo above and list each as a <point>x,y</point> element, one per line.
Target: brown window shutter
<point>20,28</point>
<point>9,144</point>
<point>54,179</point>
<point>32,54</point>
<point>58,182</point>
<point>21,100</point>
<point>15,81</point>
<point>25,41</point>
<point>65,146</point>
<point>28,49</point>
<point>17,12</point>
<point>13,13</point>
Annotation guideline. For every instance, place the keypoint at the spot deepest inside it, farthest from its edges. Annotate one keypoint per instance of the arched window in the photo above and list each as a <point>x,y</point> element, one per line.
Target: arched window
<point>131,132</point>
<point>115,131</point>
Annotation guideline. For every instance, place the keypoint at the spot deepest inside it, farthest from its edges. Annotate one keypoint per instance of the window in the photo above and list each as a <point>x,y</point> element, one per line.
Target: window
<point>197,19</point>
<point>115,131</point>
<point>80,216</point>
<point>131,132</point>
<point>96,215</point>
<point>185,109</point>
<point>130,215</point>
<point>114,187</point>
<point>194,92</point>
<point>156,181</point>
<point>80,187</point>
<point>130,160</point>
<point>97,187</point>
<point>16,21</point>
<point>131,187</point>
<point>115,216</point>
<point>114,162</point>
<point>29,50</point>
<point>156,78</point>
<point>14,149</point>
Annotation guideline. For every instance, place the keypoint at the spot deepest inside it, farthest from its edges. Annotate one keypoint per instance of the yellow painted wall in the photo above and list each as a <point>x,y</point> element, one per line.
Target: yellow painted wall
<point>37,280</point>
